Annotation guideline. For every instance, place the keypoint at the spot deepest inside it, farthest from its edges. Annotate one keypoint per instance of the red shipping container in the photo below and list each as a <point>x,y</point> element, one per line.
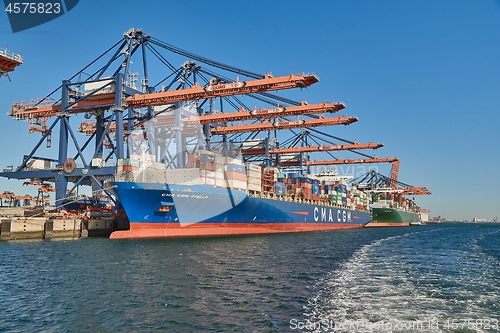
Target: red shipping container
<point>235,176</point>
<point>205,165</point>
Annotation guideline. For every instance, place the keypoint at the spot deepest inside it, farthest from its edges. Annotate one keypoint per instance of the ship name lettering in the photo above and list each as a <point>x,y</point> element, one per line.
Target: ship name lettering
<point>199,196</point>
<point>166,195</point>
<point>323,214</point>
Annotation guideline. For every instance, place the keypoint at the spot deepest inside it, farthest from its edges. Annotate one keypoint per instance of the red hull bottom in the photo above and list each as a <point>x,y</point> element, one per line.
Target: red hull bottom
<point>164,230</point>
<point>388,224</point>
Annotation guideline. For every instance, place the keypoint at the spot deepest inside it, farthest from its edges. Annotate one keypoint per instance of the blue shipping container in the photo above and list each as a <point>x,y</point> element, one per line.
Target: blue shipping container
<point>294,175</point>
<point>280,188</point>
<point>207,157</point>
<point>315,189</point>
<point>236,168</point>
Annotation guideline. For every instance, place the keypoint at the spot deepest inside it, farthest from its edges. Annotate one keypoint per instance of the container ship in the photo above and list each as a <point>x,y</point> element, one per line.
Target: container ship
<point>385,216</point>
<point>218,195</point>
<point>390,207</point>
<point>393,210</point>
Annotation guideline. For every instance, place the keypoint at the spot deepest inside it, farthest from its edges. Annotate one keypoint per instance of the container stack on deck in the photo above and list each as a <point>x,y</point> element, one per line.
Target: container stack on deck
<point>254,177</point>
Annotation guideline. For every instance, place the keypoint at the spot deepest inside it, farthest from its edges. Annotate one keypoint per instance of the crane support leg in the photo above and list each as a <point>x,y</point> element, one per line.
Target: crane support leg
<point>119,117</point>
<point>61,181</point>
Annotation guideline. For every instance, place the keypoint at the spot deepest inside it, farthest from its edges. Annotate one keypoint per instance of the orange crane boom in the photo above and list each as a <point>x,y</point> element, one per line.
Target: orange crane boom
<point>346,161</point>
<point>196,92</point>
<point>243,114</point>
<point>310,149</point>
<point>414,190</point>
<point>280,125</point>
<point>88,127</point>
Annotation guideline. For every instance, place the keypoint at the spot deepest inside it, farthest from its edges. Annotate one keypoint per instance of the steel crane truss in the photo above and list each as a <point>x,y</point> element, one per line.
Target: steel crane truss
<point>375,182</point>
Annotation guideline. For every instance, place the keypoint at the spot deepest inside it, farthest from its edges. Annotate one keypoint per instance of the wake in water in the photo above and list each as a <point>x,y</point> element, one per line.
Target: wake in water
<point>432,280</point>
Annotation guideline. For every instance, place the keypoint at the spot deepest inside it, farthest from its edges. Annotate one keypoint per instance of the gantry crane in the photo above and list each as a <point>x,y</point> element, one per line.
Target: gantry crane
<point>374,181</point>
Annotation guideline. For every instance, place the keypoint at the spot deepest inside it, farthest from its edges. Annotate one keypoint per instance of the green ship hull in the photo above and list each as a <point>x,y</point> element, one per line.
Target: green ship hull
<point>391,217</point>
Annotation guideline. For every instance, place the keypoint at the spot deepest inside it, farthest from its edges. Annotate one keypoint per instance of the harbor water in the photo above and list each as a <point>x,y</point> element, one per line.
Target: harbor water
<point>434,278</point>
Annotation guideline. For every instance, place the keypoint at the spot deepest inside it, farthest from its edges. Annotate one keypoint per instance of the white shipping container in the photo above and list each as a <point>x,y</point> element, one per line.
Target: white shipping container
<point>221,160</point>
<point>208,181</point>
<point>219,174</point>
<point>205,173</point>
<point>253,167</point>
<point>255,181</point>
<point>159,166</point>
<point>92,86</point>
<point>151,165</point>
<point>254,187</point>
<point>39,164</point>
<point>275,170</point>
<point>237,184</point>
<point>220,182</point>
<point>253,173</point>
<point>236,161</point>
<point>97,162</point>
<point>143,157</point>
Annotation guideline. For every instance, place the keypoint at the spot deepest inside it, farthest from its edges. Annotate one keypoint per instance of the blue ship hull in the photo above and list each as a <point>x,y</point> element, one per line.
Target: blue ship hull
<point>160,210</point>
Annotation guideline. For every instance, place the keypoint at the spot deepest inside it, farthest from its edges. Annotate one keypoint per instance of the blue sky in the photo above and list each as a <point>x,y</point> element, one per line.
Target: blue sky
<point>422,76</point>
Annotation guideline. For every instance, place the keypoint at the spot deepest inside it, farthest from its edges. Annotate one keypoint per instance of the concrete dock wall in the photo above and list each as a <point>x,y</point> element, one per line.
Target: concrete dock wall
<point>17,228</point>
